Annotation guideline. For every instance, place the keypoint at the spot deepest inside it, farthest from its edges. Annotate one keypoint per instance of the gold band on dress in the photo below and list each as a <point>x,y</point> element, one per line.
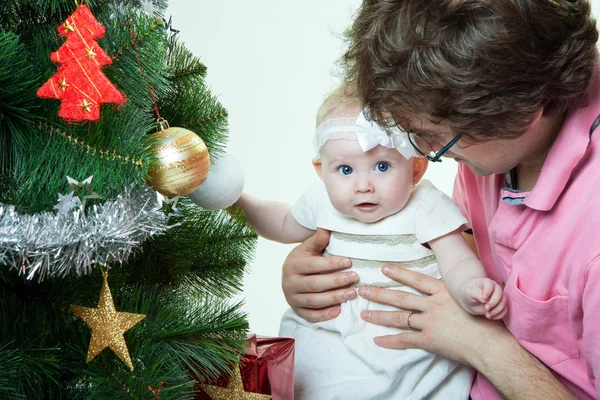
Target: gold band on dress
<point>374,264</point>
<point>383,285</point>
<point>388,240</point>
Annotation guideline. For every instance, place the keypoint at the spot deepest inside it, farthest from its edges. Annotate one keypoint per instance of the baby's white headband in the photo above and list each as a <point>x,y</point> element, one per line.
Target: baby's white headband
<point>368,134</point>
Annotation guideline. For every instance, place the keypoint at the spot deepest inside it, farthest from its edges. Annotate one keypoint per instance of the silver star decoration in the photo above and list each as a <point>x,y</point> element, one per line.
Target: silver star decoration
<point>66,203</point>
<point>84,184</point>
<point>172,211</point>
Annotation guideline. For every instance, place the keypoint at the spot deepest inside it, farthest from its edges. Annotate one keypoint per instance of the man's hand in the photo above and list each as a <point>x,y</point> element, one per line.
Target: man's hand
<point>311,284</point>
<point>437,323</point>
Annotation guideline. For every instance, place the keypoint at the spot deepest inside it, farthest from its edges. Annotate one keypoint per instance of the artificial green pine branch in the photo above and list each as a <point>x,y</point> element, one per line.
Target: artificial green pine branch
<point>139,64</point>
<point>201,106</point>
<point>10,367</point>
<point>204,114</point>
<point>41,178</point>
<point>181,280</point>
<point>207,250</point>
<point>17,98</point>
<point>8,190</point>
<point>184,329</point>
<point>184,64</point>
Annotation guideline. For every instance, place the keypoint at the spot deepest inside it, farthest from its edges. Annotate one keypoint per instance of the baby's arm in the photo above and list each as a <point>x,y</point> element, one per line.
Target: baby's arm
<point>273,220</point>
<point>465,277</point>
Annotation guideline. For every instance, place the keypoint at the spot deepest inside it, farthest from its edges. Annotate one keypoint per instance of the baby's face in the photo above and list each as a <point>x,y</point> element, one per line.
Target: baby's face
<point>368,186</point>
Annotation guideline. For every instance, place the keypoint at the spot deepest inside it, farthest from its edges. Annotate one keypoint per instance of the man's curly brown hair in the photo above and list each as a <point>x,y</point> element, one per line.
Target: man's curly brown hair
<point>484,67</point>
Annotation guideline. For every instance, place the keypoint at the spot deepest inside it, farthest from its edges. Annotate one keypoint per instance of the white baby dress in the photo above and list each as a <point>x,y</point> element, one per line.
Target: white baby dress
<point>338,359</point>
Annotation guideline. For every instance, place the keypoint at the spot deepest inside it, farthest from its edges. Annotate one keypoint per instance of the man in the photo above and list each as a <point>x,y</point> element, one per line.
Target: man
<point>511,90</point>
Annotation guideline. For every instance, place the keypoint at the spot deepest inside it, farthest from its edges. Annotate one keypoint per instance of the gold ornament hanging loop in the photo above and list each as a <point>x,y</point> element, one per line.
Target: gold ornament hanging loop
<point>163,124</point>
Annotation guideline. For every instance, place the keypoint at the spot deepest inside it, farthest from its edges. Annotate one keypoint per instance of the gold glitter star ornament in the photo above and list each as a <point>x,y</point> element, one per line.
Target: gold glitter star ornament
<point>234,390</point>
<point>108,325</point>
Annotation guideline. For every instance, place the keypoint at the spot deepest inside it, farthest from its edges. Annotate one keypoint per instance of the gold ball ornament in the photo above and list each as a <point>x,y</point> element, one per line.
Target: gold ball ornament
<point>180,164</point>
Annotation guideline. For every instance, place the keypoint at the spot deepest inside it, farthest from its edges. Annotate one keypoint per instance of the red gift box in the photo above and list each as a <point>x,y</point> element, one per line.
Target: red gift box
<point>266,367</point>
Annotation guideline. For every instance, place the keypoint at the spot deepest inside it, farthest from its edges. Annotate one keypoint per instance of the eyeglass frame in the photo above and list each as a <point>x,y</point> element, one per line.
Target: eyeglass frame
<point>438,154</point>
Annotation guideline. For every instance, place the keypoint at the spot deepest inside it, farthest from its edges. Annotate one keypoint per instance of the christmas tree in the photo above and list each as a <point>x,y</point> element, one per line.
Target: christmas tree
<point>107,288</point>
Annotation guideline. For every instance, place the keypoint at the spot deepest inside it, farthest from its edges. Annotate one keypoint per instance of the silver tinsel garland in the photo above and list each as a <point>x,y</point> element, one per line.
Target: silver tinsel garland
<point>53,244</point>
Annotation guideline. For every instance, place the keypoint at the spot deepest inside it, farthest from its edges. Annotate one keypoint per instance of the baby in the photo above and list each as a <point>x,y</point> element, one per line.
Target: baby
<point>371,200</point>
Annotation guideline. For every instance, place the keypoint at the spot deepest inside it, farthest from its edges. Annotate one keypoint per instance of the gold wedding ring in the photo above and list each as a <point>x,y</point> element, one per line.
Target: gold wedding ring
<point>410,314</point>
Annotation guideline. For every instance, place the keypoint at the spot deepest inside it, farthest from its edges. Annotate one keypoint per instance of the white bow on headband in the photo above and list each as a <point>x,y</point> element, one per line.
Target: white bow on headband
<point>371,135</point>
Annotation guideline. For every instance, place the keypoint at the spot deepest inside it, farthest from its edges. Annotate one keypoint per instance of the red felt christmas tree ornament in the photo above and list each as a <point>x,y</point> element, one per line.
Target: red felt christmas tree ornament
<point>79,82</point>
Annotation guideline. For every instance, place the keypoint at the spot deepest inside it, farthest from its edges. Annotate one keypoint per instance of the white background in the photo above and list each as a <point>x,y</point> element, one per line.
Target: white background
<point>271,62</point>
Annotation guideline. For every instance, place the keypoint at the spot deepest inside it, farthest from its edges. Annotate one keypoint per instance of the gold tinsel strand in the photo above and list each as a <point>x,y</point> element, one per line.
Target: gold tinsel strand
<point>89,149</point>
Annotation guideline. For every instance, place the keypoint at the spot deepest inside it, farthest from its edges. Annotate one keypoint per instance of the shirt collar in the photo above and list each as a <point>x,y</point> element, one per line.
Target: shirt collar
<point>568,149</point>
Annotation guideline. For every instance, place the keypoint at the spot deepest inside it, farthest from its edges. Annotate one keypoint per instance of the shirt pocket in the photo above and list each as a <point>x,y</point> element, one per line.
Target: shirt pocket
<point>540,326</point>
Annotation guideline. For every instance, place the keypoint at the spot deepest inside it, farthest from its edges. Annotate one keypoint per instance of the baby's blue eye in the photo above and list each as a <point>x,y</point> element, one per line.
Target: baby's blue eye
<point>345,170</point>
<point>382,166</point>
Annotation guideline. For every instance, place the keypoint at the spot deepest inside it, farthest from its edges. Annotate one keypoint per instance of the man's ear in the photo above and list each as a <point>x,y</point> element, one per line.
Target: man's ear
<point>419,167</point>
<point>537,116</point>
<point>318,167</point>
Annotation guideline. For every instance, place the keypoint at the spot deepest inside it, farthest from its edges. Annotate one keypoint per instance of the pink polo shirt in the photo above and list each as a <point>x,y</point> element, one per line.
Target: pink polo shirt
<point>544,245</point>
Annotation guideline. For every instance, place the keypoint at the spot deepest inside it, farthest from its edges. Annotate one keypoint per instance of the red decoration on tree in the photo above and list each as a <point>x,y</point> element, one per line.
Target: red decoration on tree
<point>266,367</point>
<point>79,82</point>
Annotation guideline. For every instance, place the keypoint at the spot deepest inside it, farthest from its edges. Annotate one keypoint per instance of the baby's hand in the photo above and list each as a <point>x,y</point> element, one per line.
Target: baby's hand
<point>484,296</point>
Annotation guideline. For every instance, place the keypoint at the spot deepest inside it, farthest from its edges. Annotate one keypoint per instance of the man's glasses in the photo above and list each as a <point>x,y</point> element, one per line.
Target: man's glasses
<point>424,148</point>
